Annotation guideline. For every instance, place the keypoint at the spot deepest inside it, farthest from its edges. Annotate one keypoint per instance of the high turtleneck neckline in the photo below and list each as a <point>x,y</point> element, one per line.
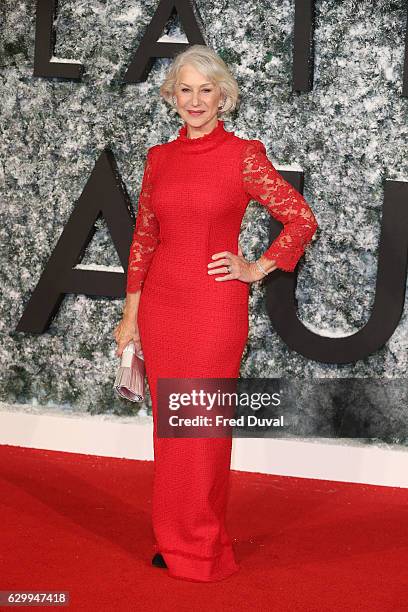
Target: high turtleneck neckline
<point>206,141</point>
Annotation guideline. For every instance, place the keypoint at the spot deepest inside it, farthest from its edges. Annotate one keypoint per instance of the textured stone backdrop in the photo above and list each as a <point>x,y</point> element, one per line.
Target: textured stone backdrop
<point>347,134</point>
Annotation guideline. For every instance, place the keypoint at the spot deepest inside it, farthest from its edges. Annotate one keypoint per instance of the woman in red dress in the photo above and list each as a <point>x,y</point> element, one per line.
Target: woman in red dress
<point>187,294</point>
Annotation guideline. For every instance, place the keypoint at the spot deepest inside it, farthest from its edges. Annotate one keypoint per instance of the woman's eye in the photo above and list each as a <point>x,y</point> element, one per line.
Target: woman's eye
<point>183,89</point>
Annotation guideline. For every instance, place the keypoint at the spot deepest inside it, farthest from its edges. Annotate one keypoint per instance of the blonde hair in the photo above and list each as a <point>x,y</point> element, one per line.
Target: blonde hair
<point>206,61</point>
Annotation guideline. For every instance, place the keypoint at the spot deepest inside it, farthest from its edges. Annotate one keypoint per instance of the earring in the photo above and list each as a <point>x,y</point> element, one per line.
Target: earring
<point>222,105</point>
<point>174,101</point>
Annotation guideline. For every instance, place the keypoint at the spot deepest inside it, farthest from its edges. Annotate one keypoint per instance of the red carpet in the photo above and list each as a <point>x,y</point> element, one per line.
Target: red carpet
<point>82,524</point>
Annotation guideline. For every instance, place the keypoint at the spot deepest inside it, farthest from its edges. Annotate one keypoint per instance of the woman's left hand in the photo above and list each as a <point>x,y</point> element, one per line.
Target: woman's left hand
<point>241,269</point>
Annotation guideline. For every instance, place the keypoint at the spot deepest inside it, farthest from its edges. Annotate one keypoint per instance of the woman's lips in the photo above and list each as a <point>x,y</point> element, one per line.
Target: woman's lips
<point>195,112</point>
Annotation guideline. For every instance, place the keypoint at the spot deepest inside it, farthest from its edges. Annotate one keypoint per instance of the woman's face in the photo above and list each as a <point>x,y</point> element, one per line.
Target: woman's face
<point>195,92</point>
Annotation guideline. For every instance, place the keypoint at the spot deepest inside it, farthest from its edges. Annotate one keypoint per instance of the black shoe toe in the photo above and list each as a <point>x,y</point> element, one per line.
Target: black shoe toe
<point>158,560</point>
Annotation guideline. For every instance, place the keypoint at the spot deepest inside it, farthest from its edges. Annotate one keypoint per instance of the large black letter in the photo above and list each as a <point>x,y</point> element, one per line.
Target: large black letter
<point>389,293</point>
<point>303,46</point>
<point>150,48</point>
<point>44,46</point>
<point>103,194</point>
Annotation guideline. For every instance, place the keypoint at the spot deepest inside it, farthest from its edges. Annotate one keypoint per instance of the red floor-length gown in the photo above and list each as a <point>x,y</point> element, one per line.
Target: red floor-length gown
<point>194,194</point>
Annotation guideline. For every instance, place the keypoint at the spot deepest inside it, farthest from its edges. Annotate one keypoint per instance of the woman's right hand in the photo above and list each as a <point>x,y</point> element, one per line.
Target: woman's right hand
<point>124,332</point>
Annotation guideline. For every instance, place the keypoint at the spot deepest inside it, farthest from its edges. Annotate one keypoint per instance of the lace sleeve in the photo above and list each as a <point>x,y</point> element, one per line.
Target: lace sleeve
<point>146,233</point>
<point>263,183</point>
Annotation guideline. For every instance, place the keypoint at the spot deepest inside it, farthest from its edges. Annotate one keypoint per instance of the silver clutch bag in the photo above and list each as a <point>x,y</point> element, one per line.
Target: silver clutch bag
<point>130,377</point>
